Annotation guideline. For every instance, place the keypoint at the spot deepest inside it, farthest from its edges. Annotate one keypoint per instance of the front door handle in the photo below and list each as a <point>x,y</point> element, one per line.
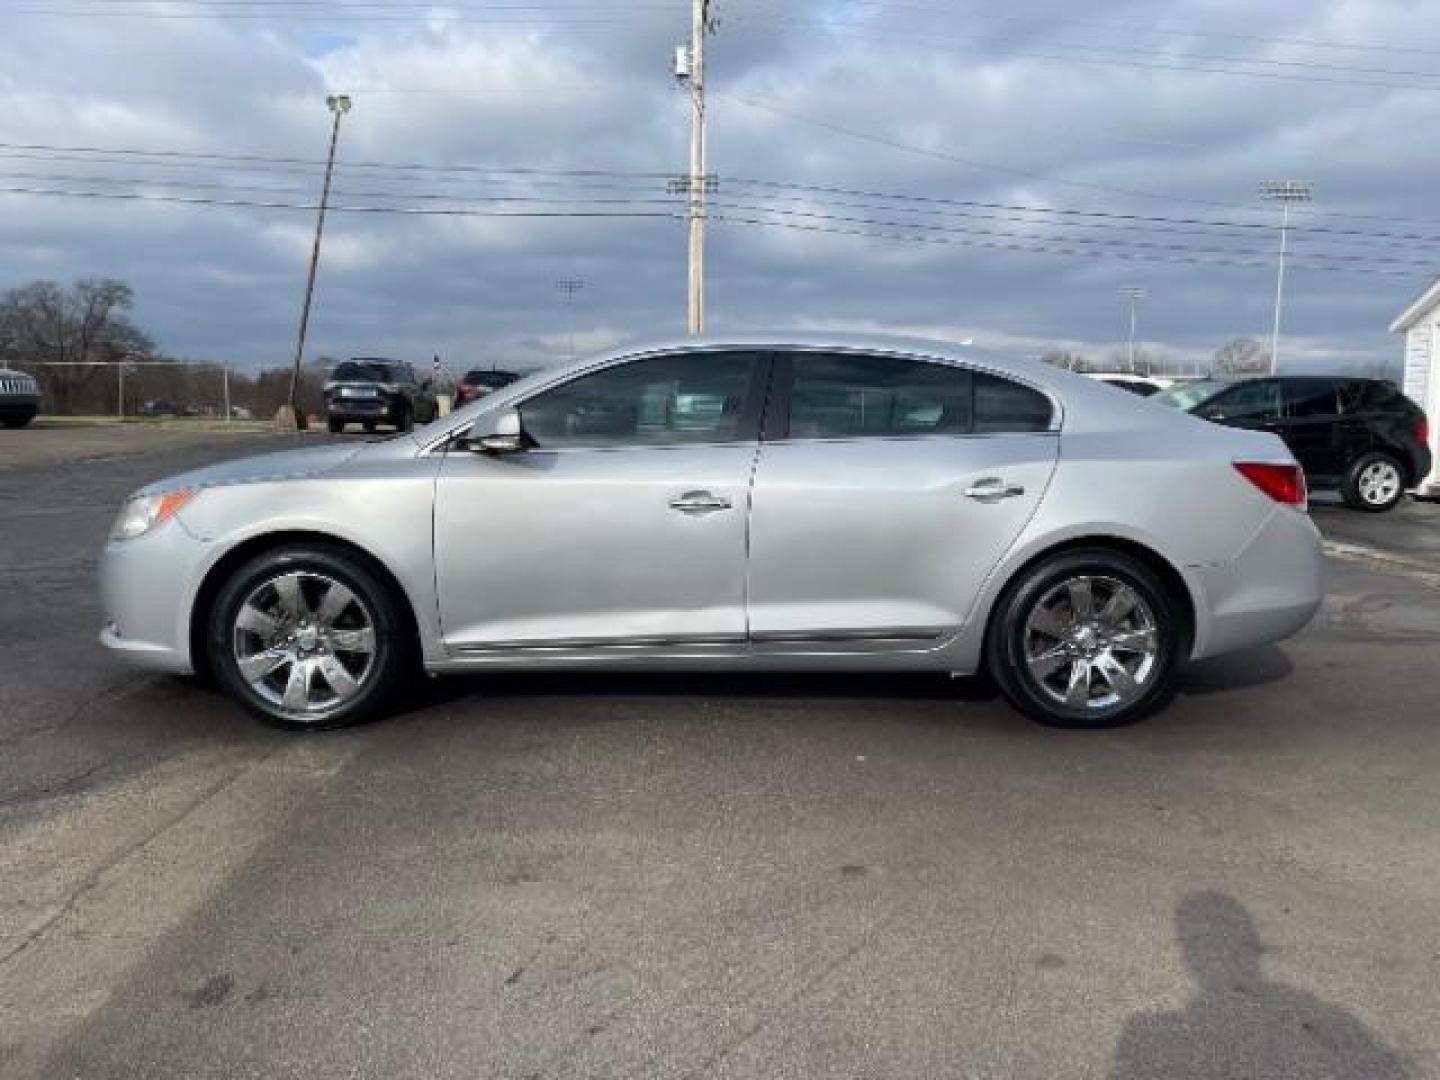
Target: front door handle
<point>993,489</point>
<point>699,502</point>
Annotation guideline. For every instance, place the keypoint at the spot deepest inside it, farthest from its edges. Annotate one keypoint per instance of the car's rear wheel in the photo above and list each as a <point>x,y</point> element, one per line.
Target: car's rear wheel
<point>1374,483</point>
<point>335,426</point>
<point>1088,638</point>
<point>308,637</point>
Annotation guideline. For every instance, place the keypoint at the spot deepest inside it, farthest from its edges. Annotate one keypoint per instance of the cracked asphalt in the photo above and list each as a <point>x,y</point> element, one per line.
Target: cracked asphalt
<point>606,876</point>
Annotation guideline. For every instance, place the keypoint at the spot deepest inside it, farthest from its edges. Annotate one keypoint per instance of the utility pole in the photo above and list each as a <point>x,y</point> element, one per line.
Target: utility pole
<point>1286,193</point>
<point>690,68</point>
<point>1134,294</point>
<point>569,287</point>
<point>339,105</point>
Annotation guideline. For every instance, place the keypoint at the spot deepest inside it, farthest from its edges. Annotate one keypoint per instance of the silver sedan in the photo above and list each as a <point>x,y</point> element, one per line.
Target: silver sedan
<point>762,503</point>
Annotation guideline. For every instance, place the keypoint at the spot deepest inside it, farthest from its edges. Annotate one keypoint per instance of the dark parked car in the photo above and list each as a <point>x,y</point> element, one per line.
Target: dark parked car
<point>1362,436</point>
<point>478,383</point>
<point>19,398</point>
<point>373,390</point>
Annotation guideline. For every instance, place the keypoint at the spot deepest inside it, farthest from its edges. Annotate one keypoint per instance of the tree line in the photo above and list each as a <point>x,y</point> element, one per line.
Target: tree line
<point>76,340</point>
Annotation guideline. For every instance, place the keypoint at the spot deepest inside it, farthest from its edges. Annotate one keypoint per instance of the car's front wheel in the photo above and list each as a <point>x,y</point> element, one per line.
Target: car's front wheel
<point>1374,483</point>
<point>1087,638</point>
<point>308,637</point>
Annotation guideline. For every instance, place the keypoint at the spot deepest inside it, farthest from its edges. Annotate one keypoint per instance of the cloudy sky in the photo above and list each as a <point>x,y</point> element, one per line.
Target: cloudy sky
<point>967,170</point>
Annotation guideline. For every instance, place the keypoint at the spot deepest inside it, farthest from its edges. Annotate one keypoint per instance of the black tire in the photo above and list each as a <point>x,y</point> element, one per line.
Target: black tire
<point>1009,635</point>
<point>17,421</point>
<point>369,426</point>
<point>404,420</point>
<point>1361,492</point>
<point>394,648</point>
<point>335,426</point>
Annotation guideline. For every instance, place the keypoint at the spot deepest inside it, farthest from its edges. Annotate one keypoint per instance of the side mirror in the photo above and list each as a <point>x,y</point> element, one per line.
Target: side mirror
<point>498,433</point>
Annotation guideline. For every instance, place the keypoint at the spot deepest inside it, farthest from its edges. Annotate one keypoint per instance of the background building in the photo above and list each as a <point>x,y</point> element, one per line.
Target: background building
<point>1420,323</point>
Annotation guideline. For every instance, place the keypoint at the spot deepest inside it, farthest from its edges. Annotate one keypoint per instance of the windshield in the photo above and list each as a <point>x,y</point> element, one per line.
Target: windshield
<point>364,371</point>
<point>1188,395</point>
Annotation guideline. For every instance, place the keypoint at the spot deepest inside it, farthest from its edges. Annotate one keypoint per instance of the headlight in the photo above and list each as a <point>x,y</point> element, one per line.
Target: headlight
<point>142,513</point>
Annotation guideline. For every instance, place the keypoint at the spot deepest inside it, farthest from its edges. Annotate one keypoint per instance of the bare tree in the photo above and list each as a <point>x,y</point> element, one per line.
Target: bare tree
<point>1243,356</point>
<point>87,324</point>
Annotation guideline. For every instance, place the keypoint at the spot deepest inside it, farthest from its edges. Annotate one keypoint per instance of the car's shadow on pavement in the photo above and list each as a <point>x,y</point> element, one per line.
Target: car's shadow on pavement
<point>1236,671</point>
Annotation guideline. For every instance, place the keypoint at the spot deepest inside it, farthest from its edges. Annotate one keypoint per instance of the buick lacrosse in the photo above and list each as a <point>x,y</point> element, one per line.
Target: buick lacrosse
<point>780,503</point>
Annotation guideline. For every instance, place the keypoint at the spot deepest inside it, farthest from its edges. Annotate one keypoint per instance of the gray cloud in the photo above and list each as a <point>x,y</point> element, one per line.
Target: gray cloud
<point>1067,104</point>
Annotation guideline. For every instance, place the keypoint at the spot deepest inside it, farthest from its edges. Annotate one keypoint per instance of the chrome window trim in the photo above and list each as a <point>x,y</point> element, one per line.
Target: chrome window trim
<point>493,400</point>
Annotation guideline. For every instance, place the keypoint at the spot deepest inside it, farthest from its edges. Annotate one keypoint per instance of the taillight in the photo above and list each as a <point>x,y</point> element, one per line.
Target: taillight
<point>1283,483</point>
<point>1422,429</point>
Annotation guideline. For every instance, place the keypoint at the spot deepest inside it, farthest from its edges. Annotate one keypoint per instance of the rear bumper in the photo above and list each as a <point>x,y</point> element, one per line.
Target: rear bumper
<point>1268,592</point>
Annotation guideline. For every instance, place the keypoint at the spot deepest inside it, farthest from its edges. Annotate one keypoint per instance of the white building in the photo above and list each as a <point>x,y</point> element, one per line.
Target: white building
<point>1420,323</point>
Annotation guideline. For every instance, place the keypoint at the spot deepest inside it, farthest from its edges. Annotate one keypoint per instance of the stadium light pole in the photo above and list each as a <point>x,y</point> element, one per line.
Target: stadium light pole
<point>339,105</point>
<point>1133,294</point>
<point>1286,193</point>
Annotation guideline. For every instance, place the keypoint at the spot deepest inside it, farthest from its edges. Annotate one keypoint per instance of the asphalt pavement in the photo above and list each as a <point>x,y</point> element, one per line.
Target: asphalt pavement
<point>675,876</point>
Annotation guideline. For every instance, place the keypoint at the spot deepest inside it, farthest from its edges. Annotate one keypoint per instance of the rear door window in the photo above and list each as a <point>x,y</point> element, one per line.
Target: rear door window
<point>855,395</point>
<point>844,395</point>
<point>1002,405</point>
<point>1259,400</point>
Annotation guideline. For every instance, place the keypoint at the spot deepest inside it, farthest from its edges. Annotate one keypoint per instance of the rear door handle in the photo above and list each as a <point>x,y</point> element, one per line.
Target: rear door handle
<point>993,489</point>
<point>699,502</point>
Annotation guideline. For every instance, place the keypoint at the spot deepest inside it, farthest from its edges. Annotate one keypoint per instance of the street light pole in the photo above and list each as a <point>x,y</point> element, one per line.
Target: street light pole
<point>339,105</point>
<point>569,287</point>
<point>1134,295</point>
<point>1286,193</point>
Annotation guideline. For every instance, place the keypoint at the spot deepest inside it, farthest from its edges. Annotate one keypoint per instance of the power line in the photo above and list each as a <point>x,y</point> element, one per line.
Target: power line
<point>618,180</point>
<point>941,155</point>
<point>818,223</point>
<point>409,211</point>
<point>1035,248</point>
<point>1159,226</point>
<point>1166,61</point>
<point>1367,260</point>
<point>1152,29</point>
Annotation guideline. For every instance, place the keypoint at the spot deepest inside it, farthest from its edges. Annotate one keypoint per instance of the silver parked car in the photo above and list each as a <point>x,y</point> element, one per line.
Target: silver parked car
<point>766,503</point>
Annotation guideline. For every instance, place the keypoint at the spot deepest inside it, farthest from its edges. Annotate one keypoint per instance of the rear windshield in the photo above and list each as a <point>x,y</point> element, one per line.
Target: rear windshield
<point>364,371</point>
<point>490,379</point>
<point>1188,395</point>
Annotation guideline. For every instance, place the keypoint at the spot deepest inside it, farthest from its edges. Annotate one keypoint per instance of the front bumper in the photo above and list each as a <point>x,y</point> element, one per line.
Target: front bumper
<point>375,408</point>
<point>1268,592</point>
<point>146,587</point>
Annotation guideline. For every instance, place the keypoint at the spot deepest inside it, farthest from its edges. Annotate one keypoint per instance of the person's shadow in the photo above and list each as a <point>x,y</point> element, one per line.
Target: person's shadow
<point>1242,1026</point>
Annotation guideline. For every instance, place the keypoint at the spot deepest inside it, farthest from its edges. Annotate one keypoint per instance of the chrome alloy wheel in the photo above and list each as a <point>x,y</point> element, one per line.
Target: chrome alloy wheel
<point>304,642</point>
<point>1091,643</point>
<point>1379,483</point>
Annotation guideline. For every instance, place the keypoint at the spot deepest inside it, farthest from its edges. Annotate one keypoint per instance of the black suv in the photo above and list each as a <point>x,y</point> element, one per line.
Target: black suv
<point>1362,436</point>
<point>373,390</point>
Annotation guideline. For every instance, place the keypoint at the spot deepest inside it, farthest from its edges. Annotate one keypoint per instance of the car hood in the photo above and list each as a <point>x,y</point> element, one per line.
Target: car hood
<point>285,465</point>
